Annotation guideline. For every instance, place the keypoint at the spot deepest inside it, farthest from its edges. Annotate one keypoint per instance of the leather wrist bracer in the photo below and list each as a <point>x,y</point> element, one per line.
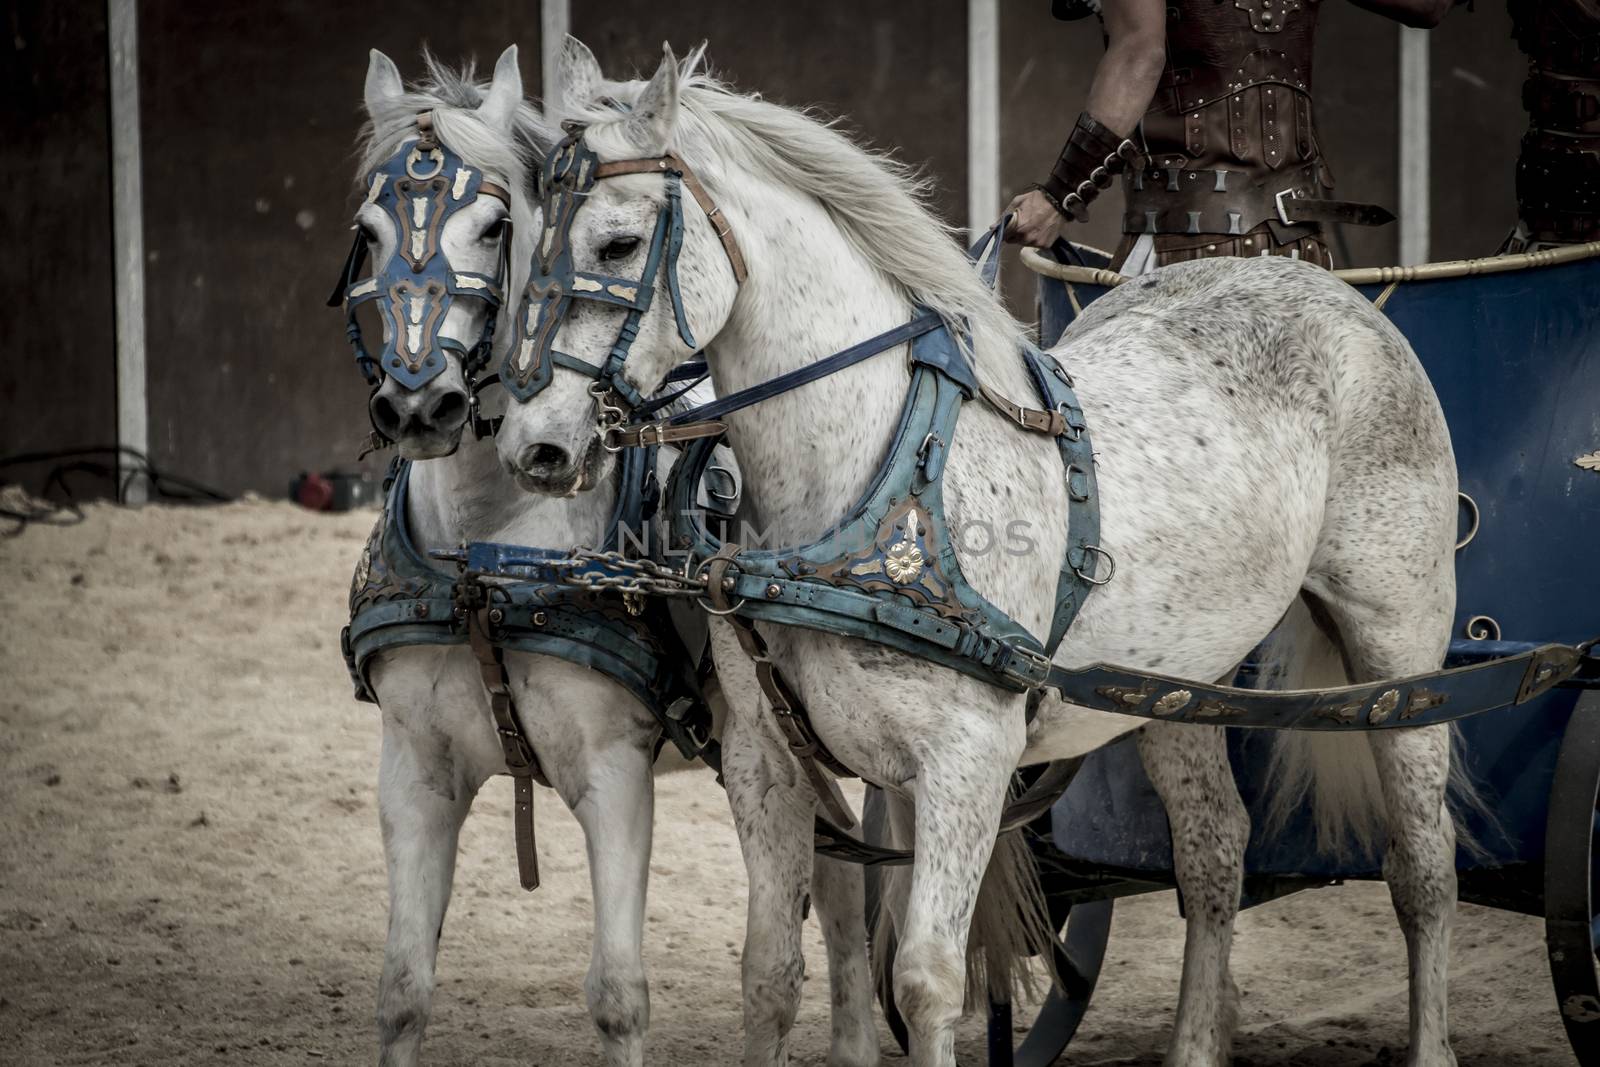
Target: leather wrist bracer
<point>1092,156</point>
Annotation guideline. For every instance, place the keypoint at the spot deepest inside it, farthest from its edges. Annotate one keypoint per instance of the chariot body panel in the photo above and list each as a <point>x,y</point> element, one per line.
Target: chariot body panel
<point>1512,345</point>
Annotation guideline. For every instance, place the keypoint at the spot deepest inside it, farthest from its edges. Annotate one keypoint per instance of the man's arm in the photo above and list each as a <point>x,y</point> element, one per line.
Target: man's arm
<point>1423,14</point>
<point>1124,84</point>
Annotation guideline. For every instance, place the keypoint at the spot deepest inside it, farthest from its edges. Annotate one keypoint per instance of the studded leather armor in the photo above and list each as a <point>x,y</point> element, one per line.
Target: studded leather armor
<point>1230,129</point>
<point>1558,172</point>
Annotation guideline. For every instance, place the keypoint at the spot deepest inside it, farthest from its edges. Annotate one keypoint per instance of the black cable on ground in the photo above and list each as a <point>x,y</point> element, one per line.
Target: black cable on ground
<point>108,462</point>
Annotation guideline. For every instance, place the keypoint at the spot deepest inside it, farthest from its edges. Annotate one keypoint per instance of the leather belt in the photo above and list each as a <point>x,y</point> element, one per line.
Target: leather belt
<point>1175,200</point>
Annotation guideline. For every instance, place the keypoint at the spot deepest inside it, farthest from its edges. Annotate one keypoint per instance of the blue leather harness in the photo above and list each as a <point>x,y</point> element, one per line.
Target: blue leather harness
<point>887,572</point>
<point>399,598</point>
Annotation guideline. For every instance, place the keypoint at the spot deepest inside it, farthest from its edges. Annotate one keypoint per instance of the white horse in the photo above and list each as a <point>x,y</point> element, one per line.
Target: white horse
<point>593,739</point>
<point>1262,436</point>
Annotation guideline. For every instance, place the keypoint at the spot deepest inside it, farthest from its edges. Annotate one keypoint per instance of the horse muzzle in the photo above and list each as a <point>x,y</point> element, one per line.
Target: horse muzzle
<point>552,470</point>
<point>426,422</point>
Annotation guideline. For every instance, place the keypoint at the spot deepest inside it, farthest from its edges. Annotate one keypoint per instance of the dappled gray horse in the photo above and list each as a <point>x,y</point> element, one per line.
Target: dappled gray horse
<point>592,736</point>
<point>1263,439</point>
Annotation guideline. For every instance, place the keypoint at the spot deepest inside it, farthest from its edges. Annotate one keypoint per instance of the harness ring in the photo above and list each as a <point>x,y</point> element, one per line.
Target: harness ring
<point>1103,554</point>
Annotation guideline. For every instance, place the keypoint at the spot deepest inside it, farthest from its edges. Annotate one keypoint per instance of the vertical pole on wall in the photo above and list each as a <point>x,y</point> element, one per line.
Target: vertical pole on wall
<point>127,228</point>
<point>555,22</point>
<point>983,114</point>
<point>1414,146</point>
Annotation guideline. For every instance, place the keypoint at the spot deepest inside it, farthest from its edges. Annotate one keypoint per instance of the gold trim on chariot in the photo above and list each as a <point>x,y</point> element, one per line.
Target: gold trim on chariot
<point>1424,272</point>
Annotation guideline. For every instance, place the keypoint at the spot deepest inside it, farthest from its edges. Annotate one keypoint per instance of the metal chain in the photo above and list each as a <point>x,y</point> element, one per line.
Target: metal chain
<point>644,577</point>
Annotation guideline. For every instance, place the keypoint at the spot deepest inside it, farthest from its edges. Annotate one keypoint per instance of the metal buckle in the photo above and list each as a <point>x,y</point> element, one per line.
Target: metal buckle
<point>1283,214</point>
<point>1038,666</point>
<point>1074,430</point>
<point>608,416</point>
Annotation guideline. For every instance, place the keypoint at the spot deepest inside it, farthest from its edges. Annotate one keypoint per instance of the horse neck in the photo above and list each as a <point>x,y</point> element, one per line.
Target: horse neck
<point>468,496</point>
<point>805,456</point>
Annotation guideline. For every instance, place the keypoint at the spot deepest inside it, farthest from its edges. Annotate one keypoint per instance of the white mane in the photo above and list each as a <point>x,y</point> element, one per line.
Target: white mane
<point>881,205</point>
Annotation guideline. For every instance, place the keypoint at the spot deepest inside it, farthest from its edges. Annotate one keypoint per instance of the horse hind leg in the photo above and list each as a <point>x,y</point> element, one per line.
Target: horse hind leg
<point>1210,828</point>
<point>1391,629</point>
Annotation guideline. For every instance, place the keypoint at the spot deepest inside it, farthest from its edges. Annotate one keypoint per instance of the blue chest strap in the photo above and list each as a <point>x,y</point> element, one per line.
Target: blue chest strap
<point>888,571</point>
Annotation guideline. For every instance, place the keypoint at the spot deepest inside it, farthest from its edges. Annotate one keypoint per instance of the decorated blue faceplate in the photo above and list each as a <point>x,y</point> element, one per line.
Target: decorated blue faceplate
<point>419,190</point>
<point>568,175</point>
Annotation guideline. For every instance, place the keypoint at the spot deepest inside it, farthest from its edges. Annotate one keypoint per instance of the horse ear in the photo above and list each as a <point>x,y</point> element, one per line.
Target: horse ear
<point>578,75</point>
<point>505,91</point>
<point>655,114</point>
<point>383,83</point>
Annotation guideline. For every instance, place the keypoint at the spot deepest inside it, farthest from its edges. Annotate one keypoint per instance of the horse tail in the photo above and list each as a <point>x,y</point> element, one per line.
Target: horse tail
<point>1010,921</point>
<point>1335,772</point>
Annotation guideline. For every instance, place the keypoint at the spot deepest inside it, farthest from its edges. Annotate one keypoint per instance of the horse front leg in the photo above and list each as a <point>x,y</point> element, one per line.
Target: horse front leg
<point>838,890</point>
<point>616,811</point>
<point>1210,829</point>
<point>773,809</point>
<point>422,800</point>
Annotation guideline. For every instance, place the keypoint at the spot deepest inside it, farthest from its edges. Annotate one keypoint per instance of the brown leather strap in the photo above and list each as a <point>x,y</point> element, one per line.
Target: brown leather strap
<point>521,763</point>
<point>487,186</point>
<point>719,222</point>
<point>787,708</point>
<point>661,433</point>
<point>425,135</point>
<point>1052,423</point>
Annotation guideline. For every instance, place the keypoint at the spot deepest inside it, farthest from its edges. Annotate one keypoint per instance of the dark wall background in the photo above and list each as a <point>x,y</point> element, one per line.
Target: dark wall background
<point>899,81</point>
<point>250,114</point>
<point>249,119</point>
<point>58,373</point>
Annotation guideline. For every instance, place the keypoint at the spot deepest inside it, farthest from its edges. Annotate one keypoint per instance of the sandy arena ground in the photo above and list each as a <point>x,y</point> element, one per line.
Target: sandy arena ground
<point>190,870</point>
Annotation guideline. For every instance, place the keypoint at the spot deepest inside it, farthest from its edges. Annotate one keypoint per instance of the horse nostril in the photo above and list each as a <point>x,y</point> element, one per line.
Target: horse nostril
<point>544,459</point>
<point>385,417</point>
<point>449,410</point>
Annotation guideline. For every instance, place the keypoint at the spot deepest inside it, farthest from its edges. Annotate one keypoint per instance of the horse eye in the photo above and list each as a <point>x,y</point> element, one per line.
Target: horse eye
<point>367,232</point>
<point>619,248</point>
<point>497,230</point>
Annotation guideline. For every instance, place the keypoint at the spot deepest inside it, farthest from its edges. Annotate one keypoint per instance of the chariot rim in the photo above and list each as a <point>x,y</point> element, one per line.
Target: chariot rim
<point>1041,264</point>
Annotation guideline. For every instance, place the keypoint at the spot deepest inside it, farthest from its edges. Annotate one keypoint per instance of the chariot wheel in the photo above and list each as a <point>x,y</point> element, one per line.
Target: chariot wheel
<point>1571,875</point>
<point>1084,930</point>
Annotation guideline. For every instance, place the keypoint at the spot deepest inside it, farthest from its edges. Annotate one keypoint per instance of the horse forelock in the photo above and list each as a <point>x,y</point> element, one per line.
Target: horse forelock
<point>882,205</point>
<point>454,94</point>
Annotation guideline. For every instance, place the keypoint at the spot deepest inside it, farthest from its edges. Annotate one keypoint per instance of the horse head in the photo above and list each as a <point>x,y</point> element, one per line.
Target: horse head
<point>440,169</point>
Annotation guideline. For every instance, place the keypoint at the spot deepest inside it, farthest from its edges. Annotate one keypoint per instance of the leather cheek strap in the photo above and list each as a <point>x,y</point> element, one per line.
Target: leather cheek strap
<point>719,222</point>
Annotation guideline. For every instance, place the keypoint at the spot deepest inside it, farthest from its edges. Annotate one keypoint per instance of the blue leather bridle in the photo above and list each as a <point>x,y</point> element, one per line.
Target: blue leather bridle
<point>568,175</point>
<point>420,188</point>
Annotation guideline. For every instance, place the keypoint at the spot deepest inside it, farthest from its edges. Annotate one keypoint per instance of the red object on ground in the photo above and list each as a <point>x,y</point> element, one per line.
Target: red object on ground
<point>314,492</point>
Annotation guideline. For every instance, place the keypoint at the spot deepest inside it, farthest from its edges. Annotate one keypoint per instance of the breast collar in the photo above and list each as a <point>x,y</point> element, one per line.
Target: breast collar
<point>400,597</point>
<point>887,571</point>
